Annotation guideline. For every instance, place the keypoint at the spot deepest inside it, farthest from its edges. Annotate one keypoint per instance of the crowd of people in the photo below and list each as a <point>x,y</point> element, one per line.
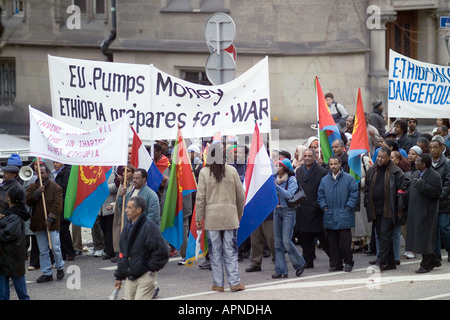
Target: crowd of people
<point>404,192</point>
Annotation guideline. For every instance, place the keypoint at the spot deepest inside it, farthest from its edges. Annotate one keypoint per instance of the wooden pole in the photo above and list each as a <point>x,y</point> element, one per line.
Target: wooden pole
<point>43,203</point>
<point>123,198</point>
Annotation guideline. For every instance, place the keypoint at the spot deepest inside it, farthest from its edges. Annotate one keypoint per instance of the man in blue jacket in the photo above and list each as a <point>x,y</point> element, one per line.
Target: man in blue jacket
<point>337,197</point>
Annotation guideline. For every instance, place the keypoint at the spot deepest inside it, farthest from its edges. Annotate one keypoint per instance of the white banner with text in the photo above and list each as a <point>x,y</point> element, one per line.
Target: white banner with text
<point>87,94</point>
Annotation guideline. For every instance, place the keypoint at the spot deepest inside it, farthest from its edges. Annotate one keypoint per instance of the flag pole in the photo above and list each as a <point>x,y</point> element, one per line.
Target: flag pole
<point>45,207</point>
<point>124,196</point>
<point>318,120</point>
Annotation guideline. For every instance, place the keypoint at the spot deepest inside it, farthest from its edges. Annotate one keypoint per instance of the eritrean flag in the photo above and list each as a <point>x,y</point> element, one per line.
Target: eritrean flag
<point>328,131</point>
<point>360,141</point>
<point>87,190</point>
<point>181,183</point>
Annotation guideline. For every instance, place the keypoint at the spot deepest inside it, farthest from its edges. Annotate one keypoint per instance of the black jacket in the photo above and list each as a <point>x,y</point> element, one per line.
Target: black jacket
<point>142,249</point>
<point>12,241</point>
<point>309,215</point>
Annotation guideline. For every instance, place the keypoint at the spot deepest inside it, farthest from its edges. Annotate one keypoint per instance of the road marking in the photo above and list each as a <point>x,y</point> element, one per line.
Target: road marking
<point>436,297</point>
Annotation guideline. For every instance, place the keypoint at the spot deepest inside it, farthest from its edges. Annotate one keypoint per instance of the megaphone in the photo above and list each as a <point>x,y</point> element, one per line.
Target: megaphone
<point>25,173</point>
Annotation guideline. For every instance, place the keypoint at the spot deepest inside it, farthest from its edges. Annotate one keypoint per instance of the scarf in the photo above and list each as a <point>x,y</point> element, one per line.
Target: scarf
<point>283,178</point>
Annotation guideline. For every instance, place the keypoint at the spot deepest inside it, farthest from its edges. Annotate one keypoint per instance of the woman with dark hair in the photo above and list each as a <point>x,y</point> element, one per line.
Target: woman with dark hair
<point>220,203</point>
<point>284,222</point>
<point>13,245</point>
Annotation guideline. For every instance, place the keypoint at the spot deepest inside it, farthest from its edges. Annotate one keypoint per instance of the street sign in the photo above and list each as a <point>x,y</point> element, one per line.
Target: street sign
<point>220,68</point>
<point>445,22</point>
<point>220,31</point>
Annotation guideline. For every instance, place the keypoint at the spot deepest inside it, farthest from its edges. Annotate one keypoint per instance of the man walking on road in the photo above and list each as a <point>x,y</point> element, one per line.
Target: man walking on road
<point>143,253</point>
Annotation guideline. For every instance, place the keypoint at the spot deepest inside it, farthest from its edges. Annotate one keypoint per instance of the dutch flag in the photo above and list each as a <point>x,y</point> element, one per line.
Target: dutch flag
<point>140,158</point>
<point>260,193</point>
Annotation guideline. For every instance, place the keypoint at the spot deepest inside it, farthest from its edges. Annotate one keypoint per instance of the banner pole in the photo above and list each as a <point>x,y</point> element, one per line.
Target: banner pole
<point>45,207</point>
<point>124,196</point>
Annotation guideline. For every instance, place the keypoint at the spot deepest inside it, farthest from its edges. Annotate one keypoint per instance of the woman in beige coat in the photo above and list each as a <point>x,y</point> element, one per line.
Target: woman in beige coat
<point>220,202</point>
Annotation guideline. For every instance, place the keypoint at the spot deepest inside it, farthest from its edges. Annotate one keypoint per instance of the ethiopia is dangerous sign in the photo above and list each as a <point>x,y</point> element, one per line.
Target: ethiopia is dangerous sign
<point>417,89</point>
<point>87,94</point>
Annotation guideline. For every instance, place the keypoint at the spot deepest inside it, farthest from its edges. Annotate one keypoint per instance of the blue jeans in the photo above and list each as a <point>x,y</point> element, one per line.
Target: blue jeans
<point>223,251</point>
<point>443,233</point>
<point>44,251</point>
<point>283,228</point>
<point>19,285</point>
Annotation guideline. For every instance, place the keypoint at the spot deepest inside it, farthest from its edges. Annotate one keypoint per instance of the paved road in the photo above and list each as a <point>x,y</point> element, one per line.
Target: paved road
<point>89,278</point>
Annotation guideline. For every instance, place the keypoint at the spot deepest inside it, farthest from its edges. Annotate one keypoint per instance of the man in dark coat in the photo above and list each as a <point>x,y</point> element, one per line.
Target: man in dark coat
<point>309,222</point>
<point>423,207</point>
<point>384,185</point>
<point>143,253</point>
<point>45,223</point>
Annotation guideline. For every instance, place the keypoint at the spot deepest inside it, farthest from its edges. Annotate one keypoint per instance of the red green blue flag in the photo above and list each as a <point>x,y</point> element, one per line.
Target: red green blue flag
<point>181,183</point>
<point>328,131</point>
<point>360,141</point>
<point>87,190</point>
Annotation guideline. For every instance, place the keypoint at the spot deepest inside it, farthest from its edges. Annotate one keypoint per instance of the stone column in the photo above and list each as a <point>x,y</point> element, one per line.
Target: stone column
<point>378,73</point>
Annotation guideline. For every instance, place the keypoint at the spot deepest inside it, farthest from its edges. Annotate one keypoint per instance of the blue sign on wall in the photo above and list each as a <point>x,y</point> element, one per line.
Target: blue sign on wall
<point>445,22</point>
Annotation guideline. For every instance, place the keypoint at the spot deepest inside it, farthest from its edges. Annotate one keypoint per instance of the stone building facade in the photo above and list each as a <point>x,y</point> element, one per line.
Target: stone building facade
<point>344,43</point>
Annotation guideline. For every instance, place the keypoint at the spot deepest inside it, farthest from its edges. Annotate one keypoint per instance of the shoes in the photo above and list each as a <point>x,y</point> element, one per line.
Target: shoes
<point>252,268</point>
<point>95,253</point>
<point>182,262</point>
<point>205,265</point>
<point>78,252</point>
<point>435,264</point>
<point>397,262</point>
<point>299,272</point>
<point>156,293</point>
<point>243,255</point>
<point>266,253</point>
<point>348,267</point>
<point>385,267</point>
<point>216,288</point>
<point>44,278</point>
<point>71,258</point>
<point>373,262</point>
<point>115,259</point>
<point>31,268</point>
<point>369,252</point>
<point>173,252</point>
<point>239,287</point>
<point>423,270</point>
<point>409,255</point>
<point>106,257</point>
<point>60,274</point>
<point>338,268</point>
<point>279,275</point>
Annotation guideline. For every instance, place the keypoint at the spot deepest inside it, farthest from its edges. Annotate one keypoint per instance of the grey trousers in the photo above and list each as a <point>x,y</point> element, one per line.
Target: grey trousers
<point>223,252</point>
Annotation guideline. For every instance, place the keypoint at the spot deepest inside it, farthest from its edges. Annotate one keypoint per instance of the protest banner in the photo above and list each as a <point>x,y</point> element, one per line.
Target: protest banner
<point>106,145</point>
<point>417,89</point>
<point>89,93</point>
